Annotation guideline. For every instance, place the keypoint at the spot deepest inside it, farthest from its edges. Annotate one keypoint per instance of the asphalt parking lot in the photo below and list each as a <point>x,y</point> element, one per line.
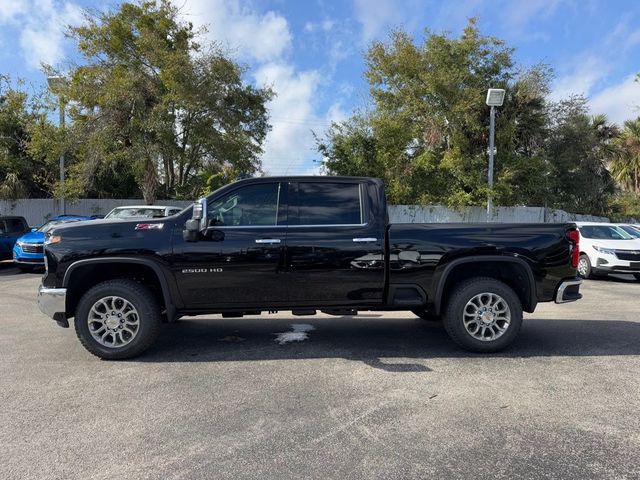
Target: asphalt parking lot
<point>376,396</point>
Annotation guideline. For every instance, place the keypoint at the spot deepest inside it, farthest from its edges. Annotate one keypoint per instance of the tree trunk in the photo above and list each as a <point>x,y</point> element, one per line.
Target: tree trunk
<point>150,182</point>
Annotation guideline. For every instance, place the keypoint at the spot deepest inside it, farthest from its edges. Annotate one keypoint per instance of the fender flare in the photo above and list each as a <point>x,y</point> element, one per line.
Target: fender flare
<point>442,278</point>
<point>166,293</point>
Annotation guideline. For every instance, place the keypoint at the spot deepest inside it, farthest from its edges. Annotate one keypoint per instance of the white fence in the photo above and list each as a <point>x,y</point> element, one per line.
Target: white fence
<point>38,210</point>
<point>440,214</point>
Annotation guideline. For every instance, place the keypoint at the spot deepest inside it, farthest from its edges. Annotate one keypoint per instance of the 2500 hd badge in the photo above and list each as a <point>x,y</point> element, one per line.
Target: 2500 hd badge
<point>201,270</point>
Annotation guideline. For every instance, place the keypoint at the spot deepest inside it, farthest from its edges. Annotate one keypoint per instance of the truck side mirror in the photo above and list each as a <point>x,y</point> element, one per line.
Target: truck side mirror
<point>197,223</point>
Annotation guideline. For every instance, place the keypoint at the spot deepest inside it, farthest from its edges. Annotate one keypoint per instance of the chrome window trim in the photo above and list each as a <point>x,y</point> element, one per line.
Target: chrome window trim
<point>331,225</point>
<point>361,207</point>
<point>234,227</point>
<point>278,203</point>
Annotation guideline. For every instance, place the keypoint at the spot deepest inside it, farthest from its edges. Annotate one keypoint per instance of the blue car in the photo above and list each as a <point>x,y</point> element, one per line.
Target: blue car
<point>28,252</point>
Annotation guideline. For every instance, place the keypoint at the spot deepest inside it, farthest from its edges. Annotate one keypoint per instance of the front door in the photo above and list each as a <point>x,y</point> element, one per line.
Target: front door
<point>239,261</point>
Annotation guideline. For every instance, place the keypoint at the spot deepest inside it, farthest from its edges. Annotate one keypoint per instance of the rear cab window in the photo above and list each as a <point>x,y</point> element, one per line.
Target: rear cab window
<point>327,203</point>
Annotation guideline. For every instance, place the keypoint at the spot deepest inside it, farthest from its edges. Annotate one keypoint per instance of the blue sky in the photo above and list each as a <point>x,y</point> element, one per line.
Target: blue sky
<point>310,51</point>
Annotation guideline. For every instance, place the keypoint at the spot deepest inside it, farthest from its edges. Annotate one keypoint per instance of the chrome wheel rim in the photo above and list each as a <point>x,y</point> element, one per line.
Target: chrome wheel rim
<point>486,316</point>
<point>582,266</point>
<point>113,322</point>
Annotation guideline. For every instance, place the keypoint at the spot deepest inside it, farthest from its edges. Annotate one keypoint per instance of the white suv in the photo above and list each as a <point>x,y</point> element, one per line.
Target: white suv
<point>607,248</point>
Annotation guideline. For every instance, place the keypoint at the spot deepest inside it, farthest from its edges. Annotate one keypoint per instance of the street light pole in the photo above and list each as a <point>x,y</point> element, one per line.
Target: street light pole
<point>55,82</point>
<point>495,98</point>
<point>63,205</point>
<point>492,132</point>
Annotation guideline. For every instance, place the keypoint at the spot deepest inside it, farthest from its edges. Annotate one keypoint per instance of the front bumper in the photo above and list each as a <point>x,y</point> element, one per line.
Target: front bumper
<point>52,302</point>
<point>27,258</point>
<point>569,291</point>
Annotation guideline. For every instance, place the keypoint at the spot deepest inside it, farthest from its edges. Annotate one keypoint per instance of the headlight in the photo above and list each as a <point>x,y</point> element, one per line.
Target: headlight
<point>606,251</point>
<point>51,239</point>
<point>20,243</point>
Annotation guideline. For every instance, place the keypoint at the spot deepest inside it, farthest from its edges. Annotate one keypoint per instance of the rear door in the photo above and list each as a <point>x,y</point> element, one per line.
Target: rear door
<point>334,245</point>
<point>239,262</point>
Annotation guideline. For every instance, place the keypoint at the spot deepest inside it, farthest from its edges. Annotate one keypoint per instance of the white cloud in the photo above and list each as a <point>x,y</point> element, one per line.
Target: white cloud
<point>376,16</point>
<point>262,37</point>
<point>619,102</point>
<point>326,26</point>
<point>10,9</point>
<point>290,142</point>
<point>265,40</point>
<point>580,77</point>
<point>42,24</point>
<point>518,14</point>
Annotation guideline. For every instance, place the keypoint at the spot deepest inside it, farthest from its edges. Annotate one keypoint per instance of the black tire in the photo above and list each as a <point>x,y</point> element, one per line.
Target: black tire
<point>149,318</point>
<point>637,275</point>
<point>463,293</point>
<point>426,315</point>
<point>587,272</point>
<point>25,268</point>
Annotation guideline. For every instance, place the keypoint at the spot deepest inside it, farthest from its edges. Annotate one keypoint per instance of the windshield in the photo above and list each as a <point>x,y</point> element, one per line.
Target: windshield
<point>129,212</point>
<point>54,223</point>
<point>605,232</point>
<point>634,232</point>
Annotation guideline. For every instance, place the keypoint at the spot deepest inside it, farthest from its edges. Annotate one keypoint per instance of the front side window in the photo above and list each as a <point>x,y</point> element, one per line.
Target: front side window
<point>246,206</point>
<point>325,203</point>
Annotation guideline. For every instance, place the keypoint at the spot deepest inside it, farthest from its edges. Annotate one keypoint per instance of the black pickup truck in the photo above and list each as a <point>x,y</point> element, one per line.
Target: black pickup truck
<point>301,244</point>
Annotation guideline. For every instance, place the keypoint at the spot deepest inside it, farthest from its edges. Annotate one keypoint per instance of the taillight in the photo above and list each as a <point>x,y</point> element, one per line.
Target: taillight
<point>574,238</point>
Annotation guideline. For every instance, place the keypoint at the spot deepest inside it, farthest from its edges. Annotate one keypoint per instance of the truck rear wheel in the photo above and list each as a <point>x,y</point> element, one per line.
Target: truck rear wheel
<point>483,315</point>
<point>117,319</point>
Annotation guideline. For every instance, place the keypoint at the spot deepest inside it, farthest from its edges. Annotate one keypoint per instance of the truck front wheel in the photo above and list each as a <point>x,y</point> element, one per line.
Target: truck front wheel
<point>483,315</point>
<point>117,319</point>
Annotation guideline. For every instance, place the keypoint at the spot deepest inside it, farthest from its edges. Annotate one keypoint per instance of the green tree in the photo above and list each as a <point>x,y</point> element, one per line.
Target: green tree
<point>426,131</point>
<point>579,147</point>
<point>150,104</point>
<point>22,173</point>
<point>625,165</point>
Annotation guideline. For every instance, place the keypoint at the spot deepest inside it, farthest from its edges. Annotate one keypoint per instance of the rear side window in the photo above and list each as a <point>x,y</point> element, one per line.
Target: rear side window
<point>329,204</point>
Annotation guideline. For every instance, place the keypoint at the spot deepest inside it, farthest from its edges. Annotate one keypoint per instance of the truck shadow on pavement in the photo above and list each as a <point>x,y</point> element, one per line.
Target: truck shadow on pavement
<point>390,344</point>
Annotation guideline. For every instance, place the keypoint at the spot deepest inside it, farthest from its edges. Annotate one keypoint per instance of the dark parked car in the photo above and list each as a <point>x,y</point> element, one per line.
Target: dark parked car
<point>301,244</point>
<point>11,228</point>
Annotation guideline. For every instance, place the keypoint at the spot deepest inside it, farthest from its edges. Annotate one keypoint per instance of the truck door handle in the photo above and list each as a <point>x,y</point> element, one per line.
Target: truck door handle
<point>267,240</point>
<point>365,239</point>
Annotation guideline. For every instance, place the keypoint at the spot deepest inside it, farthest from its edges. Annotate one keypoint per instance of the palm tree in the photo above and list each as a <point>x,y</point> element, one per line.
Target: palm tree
<point>625,165</point>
